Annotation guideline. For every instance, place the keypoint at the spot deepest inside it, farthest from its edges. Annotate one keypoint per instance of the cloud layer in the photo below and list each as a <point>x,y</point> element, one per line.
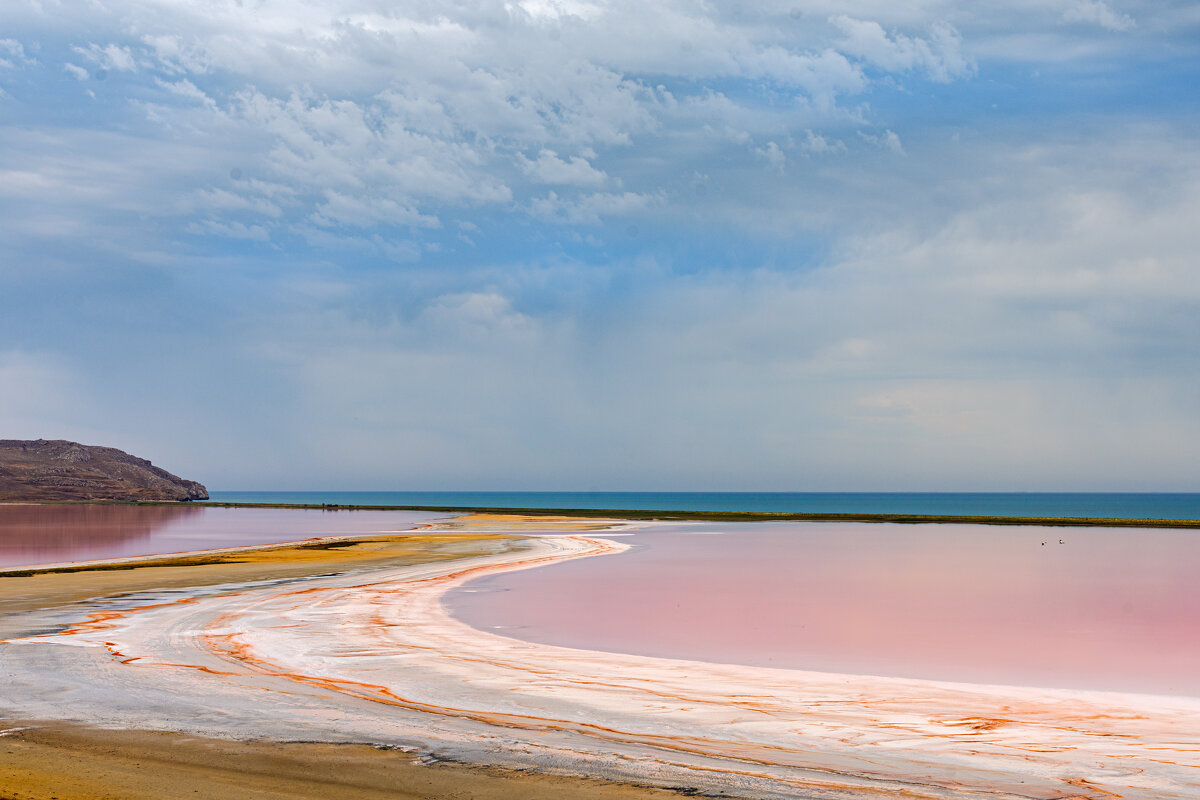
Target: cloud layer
<point>558,244</point>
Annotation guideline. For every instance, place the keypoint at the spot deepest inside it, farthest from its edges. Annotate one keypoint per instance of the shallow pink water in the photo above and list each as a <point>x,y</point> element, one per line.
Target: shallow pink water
<point>1115,609</point>
<point>31,534</point>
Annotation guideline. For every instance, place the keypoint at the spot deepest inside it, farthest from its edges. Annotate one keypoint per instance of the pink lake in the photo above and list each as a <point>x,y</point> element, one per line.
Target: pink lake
<point>33,534</point>
<point>1086,608</point>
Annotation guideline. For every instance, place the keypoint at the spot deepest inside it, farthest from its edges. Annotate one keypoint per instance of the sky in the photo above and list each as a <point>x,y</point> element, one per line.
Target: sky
<point>789,245</point>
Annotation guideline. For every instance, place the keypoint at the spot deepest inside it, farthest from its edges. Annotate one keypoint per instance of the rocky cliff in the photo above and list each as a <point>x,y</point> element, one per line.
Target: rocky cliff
<point>59,470</point>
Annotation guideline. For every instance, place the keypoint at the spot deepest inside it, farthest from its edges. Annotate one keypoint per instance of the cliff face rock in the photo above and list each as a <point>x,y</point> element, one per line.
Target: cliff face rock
<point>59,470</point>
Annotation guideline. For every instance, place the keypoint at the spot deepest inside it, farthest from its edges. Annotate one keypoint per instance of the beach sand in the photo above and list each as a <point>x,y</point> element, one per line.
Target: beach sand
<point>54,760</point>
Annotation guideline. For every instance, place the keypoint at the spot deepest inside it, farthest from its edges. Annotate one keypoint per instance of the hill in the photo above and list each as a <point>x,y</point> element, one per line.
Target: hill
<point>59,470</point>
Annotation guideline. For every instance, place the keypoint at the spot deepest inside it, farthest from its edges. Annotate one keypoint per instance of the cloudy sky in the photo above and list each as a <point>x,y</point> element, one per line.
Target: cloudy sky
<point>570,244</point>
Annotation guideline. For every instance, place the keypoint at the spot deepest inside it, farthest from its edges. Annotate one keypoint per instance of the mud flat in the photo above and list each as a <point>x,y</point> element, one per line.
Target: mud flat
<point>363,652</point>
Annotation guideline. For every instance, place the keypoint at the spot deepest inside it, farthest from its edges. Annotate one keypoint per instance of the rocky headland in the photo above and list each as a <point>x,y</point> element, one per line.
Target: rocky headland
<point>49,470</point>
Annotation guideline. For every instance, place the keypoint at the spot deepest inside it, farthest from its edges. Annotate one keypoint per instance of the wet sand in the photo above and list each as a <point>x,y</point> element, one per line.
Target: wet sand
<point>53,760</point>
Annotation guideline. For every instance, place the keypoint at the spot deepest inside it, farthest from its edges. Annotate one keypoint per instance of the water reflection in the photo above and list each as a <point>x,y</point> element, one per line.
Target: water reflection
<point>43,534</point>
<point>31,534</point>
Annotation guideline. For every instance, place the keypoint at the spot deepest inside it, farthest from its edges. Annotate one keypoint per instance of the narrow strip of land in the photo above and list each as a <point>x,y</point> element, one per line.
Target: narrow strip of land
<point>25,589</point>
<point>742,516</point>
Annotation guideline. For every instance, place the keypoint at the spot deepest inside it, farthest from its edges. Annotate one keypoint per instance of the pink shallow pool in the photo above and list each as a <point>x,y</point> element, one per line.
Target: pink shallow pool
<point>31,534</point>
<point>1086,608</point>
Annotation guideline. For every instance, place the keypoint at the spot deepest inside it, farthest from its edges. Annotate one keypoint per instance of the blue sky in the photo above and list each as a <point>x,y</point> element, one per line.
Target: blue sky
<point>606,245</point>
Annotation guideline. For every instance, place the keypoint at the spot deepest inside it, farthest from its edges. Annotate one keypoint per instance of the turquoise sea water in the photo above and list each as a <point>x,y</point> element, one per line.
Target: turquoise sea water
<point>1031,504</point>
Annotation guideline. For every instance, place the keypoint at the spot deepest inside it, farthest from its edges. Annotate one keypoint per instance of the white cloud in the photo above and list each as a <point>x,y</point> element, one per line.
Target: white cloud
<point>1099,13</point>
<point>27,183</point>
<point>176,56</point>
<point>110,56</point>
<point>771,154</point>
<point>819,145</point>
<point>76,72</point>
<point>187,89</point>
<point>940,55</point>
<point>342,145</point>
<point>480,317</point>
<point>397,250</point>
<point>558,10</point>
<point>215,200</point>
<point>232,230</point>
<point>572,171</point>
<point>12,54</point>
<point>888,140</point>
<point>589,209</point>
<point>342,209</point>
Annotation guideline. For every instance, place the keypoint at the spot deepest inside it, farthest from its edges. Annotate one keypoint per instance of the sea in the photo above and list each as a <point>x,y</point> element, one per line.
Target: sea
<point>1116,505</point>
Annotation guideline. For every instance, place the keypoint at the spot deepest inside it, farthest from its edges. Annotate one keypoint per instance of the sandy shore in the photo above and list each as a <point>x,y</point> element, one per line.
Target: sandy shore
<point>350,644</point>
<point>53,760</point>
<point>25,589</point>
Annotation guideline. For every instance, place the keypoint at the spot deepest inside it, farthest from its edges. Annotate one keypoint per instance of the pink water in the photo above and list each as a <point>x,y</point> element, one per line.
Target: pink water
<point>32,534</point>
<point>1086,608</point>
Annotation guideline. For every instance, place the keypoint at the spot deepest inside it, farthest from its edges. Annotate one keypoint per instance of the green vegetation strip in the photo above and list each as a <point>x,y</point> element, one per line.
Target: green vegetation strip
<point>740,516</point>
